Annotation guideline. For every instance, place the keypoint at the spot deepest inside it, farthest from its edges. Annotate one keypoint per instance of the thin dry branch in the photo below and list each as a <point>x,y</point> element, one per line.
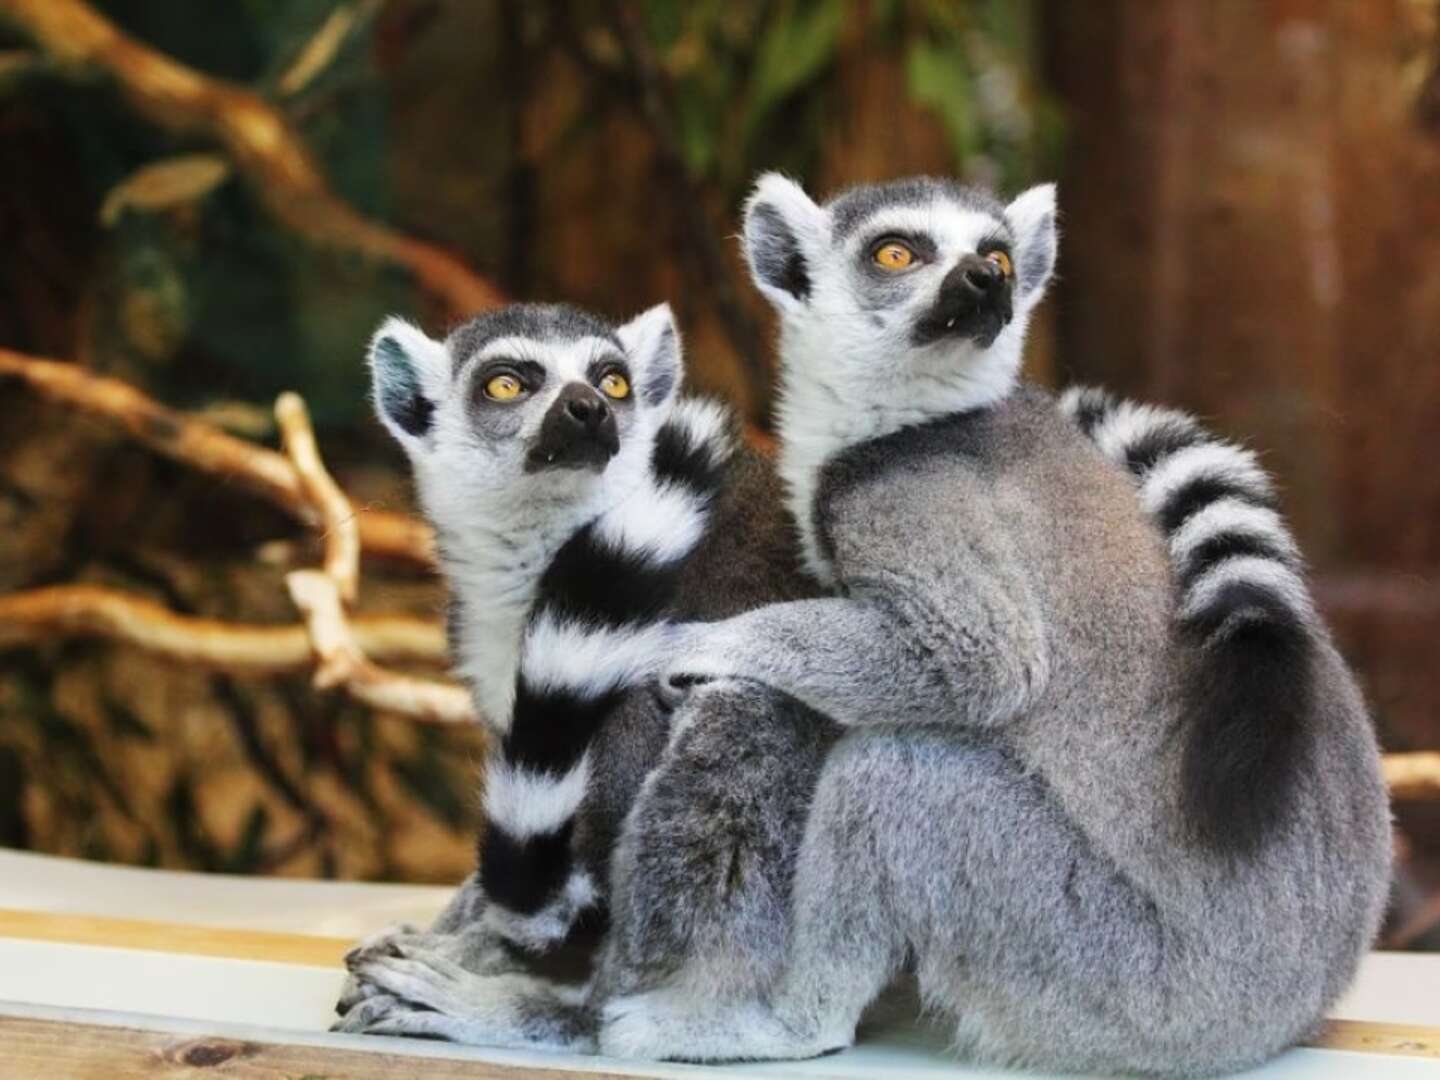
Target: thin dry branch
<point>324,596</point>
<point>62,612</point>
<point>259,139</point>
<point>200,446</point>
<point>342,662</point>
<point>342,533</point>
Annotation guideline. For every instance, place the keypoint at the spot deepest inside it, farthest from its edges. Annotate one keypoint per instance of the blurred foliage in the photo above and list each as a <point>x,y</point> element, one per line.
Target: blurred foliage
<point>551,146</point>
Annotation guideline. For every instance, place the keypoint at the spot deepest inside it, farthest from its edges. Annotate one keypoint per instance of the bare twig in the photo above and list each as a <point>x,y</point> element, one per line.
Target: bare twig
<point>342,533</point>
<point>341,662</point>
<point>258,137</point>
<point>61,612</point>
<point>200,446</point>
<point>323,596</point>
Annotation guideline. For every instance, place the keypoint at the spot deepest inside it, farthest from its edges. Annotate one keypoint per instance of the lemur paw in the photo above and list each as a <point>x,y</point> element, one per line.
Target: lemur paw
<point>363,1013</point>
<point>379,942</point>
<point>672,691</point>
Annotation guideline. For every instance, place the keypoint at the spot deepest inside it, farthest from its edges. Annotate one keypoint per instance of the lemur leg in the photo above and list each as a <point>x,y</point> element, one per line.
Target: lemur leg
<point>703,873</point>
<point>923,842</point>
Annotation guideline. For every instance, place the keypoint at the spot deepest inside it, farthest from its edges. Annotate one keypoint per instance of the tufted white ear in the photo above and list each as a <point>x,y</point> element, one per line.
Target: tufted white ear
<point>652,345</point>
<point>409,373</point>
<point>1037,240</point>
<point>783,229</point>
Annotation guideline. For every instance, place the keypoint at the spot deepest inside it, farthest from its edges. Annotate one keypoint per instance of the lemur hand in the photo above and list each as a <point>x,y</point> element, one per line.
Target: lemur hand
<point>703,653</point>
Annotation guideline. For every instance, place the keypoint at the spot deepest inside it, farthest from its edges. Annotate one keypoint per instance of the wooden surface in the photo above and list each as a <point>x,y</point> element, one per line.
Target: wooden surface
<point>1406,1040</point>
<point>174,938</point>
<point>52,1049</point>
<point>87,1050</point>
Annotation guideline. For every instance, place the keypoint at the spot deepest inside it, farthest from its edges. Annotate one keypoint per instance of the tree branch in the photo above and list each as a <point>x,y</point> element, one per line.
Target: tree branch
<point>342,533</point>
<point>322,596</point>
<point>200,446</point>
<point>62,612</point>
<point>260,140</point>
<point>343,663</point>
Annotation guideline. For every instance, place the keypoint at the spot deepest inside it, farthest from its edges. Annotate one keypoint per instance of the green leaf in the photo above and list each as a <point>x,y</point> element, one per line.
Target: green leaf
<point>796,47</point>
<point>939,78</point>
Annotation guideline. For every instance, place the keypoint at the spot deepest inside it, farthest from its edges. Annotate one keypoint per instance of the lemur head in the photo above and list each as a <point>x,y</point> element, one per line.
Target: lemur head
<point>522,407</point>
<point>909,298</point>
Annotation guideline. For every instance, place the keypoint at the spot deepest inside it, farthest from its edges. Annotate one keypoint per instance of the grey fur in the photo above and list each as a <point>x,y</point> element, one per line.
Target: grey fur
<point>851,208</point>
<point>1022,841</point>
<point>552,322</point>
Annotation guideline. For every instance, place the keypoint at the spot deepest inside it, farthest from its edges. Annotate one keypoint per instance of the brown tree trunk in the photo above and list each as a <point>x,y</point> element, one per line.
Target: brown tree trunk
<point>1252,210</point>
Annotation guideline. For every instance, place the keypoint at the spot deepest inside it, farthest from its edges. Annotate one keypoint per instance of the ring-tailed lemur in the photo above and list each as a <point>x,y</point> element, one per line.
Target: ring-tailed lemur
<point>1122,815</point>
<point>571,513</point>
<point>567,487</point>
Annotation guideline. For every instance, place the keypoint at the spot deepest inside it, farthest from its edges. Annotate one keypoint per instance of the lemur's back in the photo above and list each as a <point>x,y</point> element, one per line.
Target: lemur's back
<point>1036,530</point>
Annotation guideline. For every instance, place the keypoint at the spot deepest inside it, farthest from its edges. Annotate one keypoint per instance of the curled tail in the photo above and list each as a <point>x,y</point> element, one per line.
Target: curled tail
<point>1243,605</point>
<point>598,627</point>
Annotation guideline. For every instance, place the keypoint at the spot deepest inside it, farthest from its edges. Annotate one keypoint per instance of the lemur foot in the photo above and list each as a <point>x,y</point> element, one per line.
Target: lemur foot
<point>667,1025</point>
<point>360,1014</point>
<point>474,951</point>
<point>429,994</point>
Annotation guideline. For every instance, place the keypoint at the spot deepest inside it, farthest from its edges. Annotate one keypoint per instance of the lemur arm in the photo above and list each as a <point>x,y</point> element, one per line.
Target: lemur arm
<point>880,655</point>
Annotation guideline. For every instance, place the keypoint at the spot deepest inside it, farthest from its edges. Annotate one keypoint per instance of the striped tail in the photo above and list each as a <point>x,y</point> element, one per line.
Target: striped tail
<point>1243,604</point>
<point>598,628</point>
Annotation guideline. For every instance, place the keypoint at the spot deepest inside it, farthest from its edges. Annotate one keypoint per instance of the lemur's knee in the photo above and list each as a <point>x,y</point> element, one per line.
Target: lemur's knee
<point>710,848</point>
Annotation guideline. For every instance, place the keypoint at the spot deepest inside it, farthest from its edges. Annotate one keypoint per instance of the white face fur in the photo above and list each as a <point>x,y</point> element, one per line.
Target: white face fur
<point>875,338</point>
<point>479,414</point>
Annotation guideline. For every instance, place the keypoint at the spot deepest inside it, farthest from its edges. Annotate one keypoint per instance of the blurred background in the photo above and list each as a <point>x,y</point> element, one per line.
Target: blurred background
<point>214,203</point>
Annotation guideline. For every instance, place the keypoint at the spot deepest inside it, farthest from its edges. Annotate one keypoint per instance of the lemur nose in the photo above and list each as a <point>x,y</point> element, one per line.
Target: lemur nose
<point>982,275</point>
<point>588,411</point>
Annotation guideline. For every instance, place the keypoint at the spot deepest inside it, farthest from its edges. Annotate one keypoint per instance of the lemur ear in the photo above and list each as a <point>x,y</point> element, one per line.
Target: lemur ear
<point>1032,218</point>
<point>782,227</point>
<point>409,372</point>
<point>652,344</point>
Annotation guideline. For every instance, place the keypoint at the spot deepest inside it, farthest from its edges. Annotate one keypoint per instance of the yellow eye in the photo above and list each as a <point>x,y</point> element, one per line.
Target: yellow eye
<point>614,385</point>
<point>1000,259</point>
<point>504,388</point>
<point>893,255</point>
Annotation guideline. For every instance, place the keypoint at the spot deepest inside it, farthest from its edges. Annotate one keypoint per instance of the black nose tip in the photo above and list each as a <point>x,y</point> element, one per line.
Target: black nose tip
<point>982,275</point>
<point>588,411</point>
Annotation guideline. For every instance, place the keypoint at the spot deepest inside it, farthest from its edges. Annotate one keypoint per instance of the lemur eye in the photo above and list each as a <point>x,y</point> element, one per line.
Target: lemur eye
<point>893,255</point>
<point>504,388</point>
<point>614,385</point>
<point>1000,259</point>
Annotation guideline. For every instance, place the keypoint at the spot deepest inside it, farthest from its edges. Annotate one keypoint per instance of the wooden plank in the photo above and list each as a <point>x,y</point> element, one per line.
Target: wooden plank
<point>174,938</point>
<point>59,1050</point>
<point>1406,1040</point>
<point>1356,1035</point>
